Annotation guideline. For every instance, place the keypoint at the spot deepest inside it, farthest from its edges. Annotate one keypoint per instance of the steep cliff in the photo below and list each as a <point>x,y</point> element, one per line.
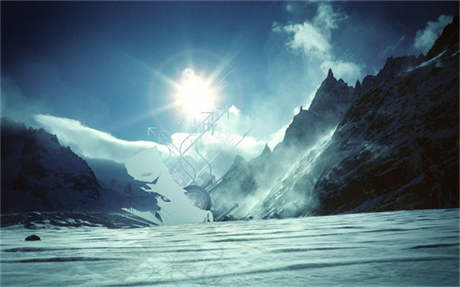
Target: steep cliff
<point>397,146</point>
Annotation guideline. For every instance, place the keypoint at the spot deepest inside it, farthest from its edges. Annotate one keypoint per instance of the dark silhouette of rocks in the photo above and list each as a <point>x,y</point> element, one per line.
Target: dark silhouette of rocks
<point>32,237</point>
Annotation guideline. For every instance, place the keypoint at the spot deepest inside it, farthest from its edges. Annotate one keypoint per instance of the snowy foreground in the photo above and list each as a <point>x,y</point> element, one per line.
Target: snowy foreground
<point>390,248</point>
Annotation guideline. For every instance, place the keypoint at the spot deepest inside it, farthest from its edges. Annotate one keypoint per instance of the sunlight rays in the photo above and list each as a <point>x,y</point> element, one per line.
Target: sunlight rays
<point>195,94</point>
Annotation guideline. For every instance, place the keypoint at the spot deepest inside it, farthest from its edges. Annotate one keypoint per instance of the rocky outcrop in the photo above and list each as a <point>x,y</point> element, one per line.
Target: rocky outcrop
<point>32,237</point>
<point>330,103</point>
<point>332,98</point>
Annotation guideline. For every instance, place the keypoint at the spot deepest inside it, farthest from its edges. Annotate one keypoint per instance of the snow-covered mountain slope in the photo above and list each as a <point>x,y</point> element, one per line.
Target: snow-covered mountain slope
<point>251,184</point>
<point>39,174</point>
<point>174,205</point>
<point>397,146</point>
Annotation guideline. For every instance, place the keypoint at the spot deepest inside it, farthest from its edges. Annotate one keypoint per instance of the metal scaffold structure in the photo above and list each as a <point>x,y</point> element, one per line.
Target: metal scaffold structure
<point>192,142</point>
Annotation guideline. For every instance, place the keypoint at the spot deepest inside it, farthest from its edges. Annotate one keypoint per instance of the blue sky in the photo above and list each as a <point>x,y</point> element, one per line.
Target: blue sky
<point>107,65</point>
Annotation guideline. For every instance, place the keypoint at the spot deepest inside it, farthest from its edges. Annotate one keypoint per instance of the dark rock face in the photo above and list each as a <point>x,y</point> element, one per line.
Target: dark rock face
<point>448,41</point>
<point>304,128</point>
<point>330,103</point>
<point>39,174</point>
<point>332,98</point>
<point>397,146</point>
<point>32,237</point>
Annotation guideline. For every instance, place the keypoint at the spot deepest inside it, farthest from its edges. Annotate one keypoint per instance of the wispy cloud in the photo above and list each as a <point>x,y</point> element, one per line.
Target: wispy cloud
<point>16,106</point>
<point>90,142</point>
<point>426,37</point>
<point>326,19</point>
<point>305,38</point>
<point>313,39</point>
<point>93,143</point>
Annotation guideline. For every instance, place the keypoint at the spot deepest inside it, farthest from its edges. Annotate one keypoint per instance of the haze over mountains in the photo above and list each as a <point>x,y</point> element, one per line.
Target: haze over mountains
<point>388,143</point>
<point>394,145</point>
<point>38,174</point>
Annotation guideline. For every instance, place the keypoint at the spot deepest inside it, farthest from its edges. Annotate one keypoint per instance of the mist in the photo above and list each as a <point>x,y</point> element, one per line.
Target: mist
<point>281,185</point>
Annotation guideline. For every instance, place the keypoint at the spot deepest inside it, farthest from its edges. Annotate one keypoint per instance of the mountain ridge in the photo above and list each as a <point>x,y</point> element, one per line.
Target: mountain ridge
<point>38,174</point>
<point>396,129</point>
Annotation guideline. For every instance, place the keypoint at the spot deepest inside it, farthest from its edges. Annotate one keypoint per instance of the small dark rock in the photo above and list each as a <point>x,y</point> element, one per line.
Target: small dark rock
<point>32,237</point>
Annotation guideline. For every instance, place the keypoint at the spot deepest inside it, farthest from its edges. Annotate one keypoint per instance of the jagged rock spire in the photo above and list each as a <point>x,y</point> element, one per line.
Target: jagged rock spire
<point>266,149</point>
<point>358,85</point>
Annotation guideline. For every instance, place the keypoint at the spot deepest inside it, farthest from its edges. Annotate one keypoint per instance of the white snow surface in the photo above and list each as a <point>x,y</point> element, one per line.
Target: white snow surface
<point>180,209</point>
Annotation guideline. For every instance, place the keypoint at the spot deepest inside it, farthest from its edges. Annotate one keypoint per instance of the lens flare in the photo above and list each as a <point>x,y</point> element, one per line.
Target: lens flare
<point>195,95</point>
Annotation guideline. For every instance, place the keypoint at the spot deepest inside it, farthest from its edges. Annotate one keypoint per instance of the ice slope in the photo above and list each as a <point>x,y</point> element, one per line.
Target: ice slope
<point>178,209</point>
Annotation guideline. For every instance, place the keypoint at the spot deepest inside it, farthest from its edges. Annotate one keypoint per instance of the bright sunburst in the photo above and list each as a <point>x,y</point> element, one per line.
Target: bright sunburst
<point>195,95</point>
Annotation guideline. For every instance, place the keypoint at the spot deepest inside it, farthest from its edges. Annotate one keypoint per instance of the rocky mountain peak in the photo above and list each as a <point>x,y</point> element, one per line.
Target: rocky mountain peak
<point>358,85</point>
<point>330,75</point>
<point>263,157</point>
<point>332,97</point>
<point>266,150</point>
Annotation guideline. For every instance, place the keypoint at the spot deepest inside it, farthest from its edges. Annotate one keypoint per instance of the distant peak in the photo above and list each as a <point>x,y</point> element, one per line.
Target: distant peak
<point>357,85</point>
<point>330,74</point>
<point>266,149</point>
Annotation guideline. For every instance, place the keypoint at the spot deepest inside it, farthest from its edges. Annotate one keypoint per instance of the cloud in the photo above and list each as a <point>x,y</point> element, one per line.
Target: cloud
<point>90,142</point>
<point>424,39</point>
<point>327,19</point>
<point>93,143</point>
<point>291,7</point>
<point>289,84</point>
<point>304,37</point>
<point>16,106</point>
<point>313,40</point>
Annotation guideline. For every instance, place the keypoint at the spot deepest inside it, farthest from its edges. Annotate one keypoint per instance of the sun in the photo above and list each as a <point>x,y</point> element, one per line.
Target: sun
<point>195,95</point>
